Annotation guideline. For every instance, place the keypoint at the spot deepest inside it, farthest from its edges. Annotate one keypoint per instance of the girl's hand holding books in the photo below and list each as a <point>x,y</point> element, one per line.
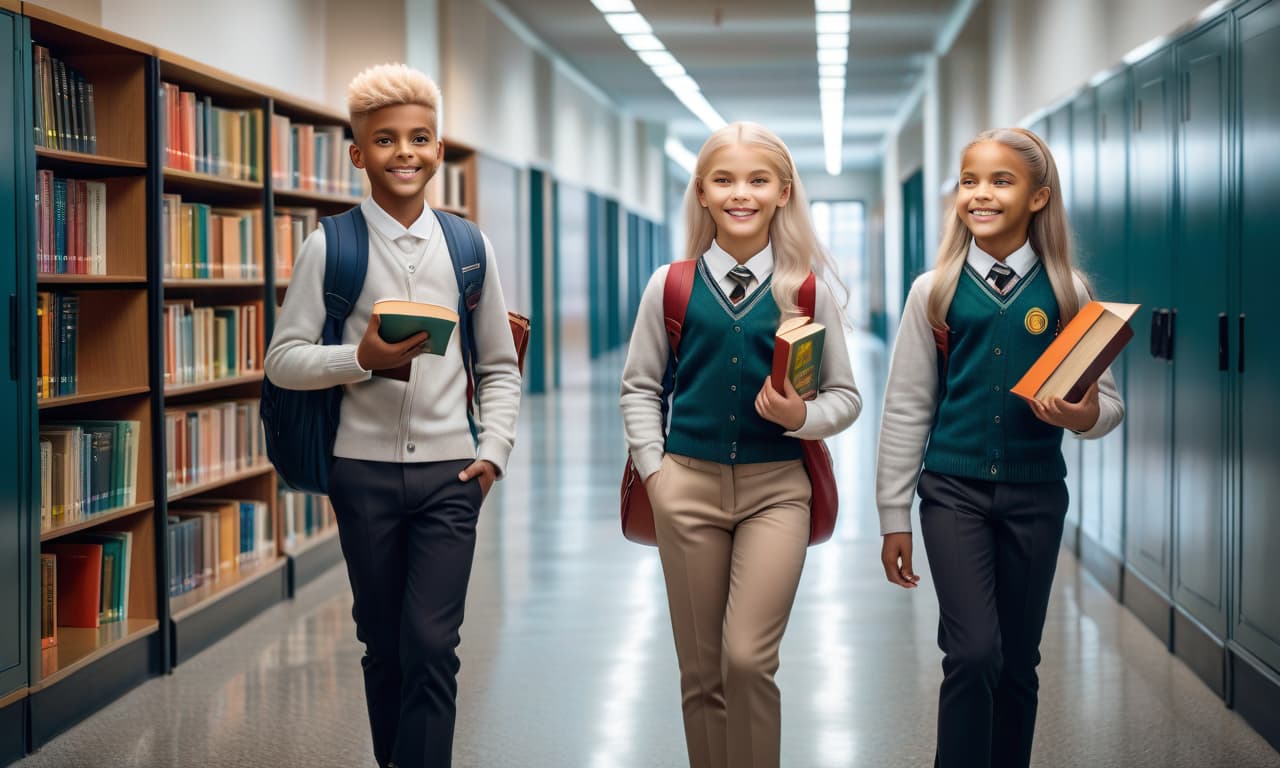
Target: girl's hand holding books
<point>374,354</point>
<point>787,409</point>
<point>1077,417</point>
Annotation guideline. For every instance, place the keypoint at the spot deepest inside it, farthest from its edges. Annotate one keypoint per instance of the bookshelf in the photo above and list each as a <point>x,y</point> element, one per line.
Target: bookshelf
<point>453,189</point>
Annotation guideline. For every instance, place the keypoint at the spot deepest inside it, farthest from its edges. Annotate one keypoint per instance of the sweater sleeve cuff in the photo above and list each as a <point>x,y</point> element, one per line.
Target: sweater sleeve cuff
<point>895,520</point>
<point>494,452</point>
<point>342,364</point>
<point>647,461</point>
<point>810,429</point>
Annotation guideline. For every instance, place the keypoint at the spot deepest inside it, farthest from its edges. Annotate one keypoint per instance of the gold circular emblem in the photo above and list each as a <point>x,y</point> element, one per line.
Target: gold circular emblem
<point>1036,321</point>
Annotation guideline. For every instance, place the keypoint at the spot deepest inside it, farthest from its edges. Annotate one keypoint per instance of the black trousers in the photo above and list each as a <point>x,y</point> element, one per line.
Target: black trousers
<point>993,549</point>
<point>408,534</point>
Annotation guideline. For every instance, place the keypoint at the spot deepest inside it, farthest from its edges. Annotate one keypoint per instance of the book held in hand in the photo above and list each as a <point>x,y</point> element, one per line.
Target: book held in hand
<point>401,319</point>
<point>797,354</point>
<point>1082,351</point>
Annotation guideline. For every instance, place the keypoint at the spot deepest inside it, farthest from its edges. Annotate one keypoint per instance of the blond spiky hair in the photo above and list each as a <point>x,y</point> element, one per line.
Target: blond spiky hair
<point>388,85</point>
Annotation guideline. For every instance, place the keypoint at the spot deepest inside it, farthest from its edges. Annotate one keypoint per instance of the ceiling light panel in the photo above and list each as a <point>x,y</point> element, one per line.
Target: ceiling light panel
<point>614,6</point>
<point>832,25</point>
<point>628,23</point>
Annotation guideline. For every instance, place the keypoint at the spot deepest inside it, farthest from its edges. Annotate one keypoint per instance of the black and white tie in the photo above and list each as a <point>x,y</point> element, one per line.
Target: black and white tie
<point>1001,277</point>
<point>741,277</point>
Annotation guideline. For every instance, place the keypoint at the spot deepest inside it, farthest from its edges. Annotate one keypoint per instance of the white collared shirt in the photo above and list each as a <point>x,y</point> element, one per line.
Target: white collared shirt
<point>720,263</point>
<point>1020,261</point>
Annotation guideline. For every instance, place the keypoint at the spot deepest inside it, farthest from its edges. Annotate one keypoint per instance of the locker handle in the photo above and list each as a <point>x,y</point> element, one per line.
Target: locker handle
<point>1240,359</point>
<point>1157,333</point>
<point>13,337</point>
<point>1222,341</point>
<point>1171,332</point>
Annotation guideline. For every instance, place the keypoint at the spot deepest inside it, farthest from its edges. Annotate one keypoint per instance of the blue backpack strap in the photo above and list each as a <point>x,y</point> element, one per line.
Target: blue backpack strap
<point>346,259</point>
<point>467,252</point>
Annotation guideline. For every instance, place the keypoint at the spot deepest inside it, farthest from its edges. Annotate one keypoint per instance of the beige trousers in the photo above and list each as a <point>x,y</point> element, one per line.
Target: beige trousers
<point>732,541</point>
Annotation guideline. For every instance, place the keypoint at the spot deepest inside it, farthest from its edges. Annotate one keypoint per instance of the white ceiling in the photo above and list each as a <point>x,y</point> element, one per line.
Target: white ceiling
<point>755,60</point>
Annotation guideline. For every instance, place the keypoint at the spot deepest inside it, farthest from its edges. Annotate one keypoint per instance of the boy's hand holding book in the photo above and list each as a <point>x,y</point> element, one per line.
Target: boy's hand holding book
<point>375,354</point>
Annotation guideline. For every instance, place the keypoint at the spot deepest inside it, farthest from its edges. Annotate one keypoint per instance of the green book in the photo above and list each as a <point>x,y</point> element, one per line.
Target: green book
<point>402,319</point>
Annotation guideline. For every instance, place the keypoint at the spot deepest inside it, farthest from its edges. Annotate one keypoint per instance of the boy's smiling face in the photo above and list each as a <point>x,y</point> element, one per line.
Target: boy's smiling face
<point>399,149</point>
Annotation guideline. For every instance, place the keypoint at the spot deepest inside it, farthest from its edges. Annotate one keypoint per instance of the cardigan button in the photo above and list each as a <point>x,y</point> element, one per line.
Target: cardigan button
<point>737,329</point>
<point>733,454</point>
<point>732,417</point>
<point>998,353</point>
<point>411,447</point>
<point>733,387</point>
<point>997,419</point>
<point>995,470</point>
<point>733,360</point>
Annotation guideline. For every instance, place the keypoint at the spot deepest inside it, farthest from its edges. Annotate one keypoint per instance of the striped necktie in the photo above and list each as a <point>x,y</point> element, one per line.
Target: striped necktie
<point>1001,277</point>
<point>741,277</point>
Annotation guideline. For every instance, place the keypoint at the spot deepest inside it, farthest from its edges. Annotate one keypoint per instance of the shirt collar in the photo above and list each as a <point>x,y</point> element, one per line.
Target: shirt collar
<point>720,262</point>
<point>394,230</point>
<point>1020,261</point>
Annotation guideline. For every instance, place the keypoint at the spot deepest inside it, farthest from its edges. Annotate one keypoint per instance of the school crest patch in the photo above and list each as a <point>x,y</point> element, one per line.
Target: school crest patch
<point>1036,321</point>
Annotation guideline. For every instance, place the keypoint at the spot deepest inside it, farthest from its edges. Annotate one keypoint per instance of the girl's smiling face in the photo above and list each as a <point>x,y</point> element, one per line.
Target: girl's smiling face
<point>997,197</point>
<point>741,191</point>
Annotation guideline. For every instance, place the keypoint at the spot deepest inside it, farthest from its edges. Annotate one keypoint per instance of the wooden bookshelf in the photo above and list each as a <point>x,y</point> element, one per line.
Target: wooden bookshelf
<point>78,648</point>
<point>208,283</point>
<point>90,281</point>
<point>185,605</point>
<point>179,180</point>
<point>179,390</point>
<point>458,170</point>
<point>303,198</point>
<point>64,529</point>
<point>91,397</point>
<point>63,159</point>
<point>220,484</point>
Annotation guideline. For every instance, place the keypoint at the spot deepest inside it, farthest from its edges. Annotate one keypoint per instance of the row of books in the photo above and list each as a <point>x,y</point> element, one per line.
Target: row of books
<point>210,539</point>
<point>71,225</point>
<point>86,468</point>
<point>204,344</point>
<point>211,441</point>
<point>201,242</point>
<point>208,139</point>
<point>454,186</point>
<point>304,515</point>
<point>313,158</point>
<point>84,582</point>
<point>57,334</point>
<point>64,114</point>
<point>292,227</point>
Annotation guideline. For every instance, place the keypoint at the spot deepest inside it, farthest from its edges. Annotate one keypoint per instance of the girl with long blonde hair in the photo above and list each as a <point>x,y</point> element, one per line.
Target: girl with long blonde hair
<point>992,491</point>
<point>729,492</point>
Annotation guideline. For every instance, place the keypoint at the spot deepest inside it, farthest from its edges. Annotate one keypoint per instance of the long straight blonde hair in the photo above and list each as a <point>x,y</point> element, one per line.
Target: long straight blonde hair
<point>796,251</point>
<point>1048,231</point>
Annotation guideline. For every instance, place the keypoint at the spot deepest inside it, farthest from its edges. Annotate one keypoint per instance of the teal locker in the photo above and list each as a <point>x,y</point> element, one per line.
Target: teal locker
<point>1149,407</point>
<point>612,275</point>
<point>1256,614</point>
<point>1203,259</point>
<point>15,208</point>
<point>913,245</point>
<point>1110,283</point>
<point>1057,134</point>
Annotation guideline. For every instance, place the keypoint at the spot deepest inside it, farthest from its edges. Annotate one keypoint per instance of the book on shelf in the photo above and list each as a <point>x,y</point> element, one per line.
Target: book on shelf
<point>79,582</point>
<point>304,515</point>
<point>71,225</point>
<point>48,600</point>
<point>797,354</point>
<point>201,137</point>
<point>117,549</point>
<point>292,227</point>
<point>57,335</point>
<point>200,241</point>
<point>1079,355</point>
<point>214,538</point>
<point>46,484</point>
<point>400,319</point>
<point>211,441</point>
<point>64,105</point>
<point>455,186</point>
<point>313,158</point>
<point>205,344</point>
<point>91,467</point>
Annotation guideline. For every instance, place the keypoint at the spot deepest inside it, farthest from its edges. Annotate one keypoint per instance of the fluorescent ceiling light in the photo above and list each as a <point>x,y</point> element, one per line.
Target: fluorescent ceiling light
<point>613,6</point>
<point>681,84</point>
<point>681,155</point>
<point>833,56</point>
<point>831,83</point>
<point>639,43</point>
<point>830,70</point>
<point>665,71</point>
<point>699,106</point>
<point>831,6</point>
<point>657,58</point>
<point>628,23</point>
<point>833,41</point>
<point>832,23</point>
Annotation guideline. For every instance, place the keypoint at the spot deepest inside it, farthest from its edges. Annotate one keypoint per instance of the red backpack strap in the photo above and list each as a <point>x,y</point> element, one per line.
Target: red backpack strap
<point>675,299</point>
<point>807,299</point>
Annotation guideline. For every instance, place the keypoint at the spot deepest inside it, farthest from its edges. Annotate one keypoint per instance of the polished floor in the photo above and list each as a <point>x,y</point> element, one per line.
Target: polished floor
<point>568,660</point>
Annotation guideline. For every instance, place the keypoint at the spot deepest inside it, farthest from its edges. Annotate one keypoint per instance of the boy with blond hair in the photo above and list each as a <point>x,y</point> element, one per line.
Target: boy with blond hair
<point>412,462</point>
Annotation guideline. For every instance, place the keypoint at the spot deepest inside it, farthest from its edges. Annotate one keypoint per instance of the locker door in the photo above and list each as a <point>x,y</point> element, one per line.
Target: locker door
<point>1057,135</point>
<point>1111,284</point>
<point>1200,296</point>
<point>1082,208</point>
<point>1257,612</point>
<point>1149,408</point>
<point>14,564</point>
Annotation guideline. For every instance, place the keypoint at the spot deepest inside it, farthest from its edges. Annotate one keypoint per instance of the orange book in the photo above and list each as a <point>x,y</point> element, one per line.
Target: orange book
<point>79,582</point>
<point>1080,353</point>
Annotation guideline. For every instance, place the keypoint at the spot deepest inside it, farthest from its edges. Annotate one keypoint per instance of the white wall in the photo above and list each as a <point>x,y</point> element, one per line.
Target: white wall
<point>850,185</point>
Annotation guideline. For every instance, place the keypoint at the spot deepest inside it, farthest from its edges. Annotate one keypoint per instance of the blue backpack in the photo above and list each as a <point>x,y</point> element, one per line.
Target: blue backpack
<point>301,425</point>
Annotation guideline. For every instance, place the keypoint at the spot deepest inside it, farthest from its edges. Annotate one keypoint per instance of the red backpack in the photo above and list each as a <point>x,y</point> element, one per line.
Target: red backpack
<point>637,514</point>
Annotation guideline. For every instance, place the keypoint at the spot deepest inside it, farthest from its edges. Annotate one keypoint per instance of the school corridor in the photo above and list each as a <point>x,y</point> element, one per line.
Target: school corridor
<point>568,662</point>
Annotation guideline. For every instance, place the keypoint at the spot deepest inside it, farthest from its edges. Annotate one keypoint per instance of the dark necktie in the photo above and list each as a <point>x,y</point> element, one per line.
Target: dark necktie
<point>741,277</point>
<point>1000,277</point>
